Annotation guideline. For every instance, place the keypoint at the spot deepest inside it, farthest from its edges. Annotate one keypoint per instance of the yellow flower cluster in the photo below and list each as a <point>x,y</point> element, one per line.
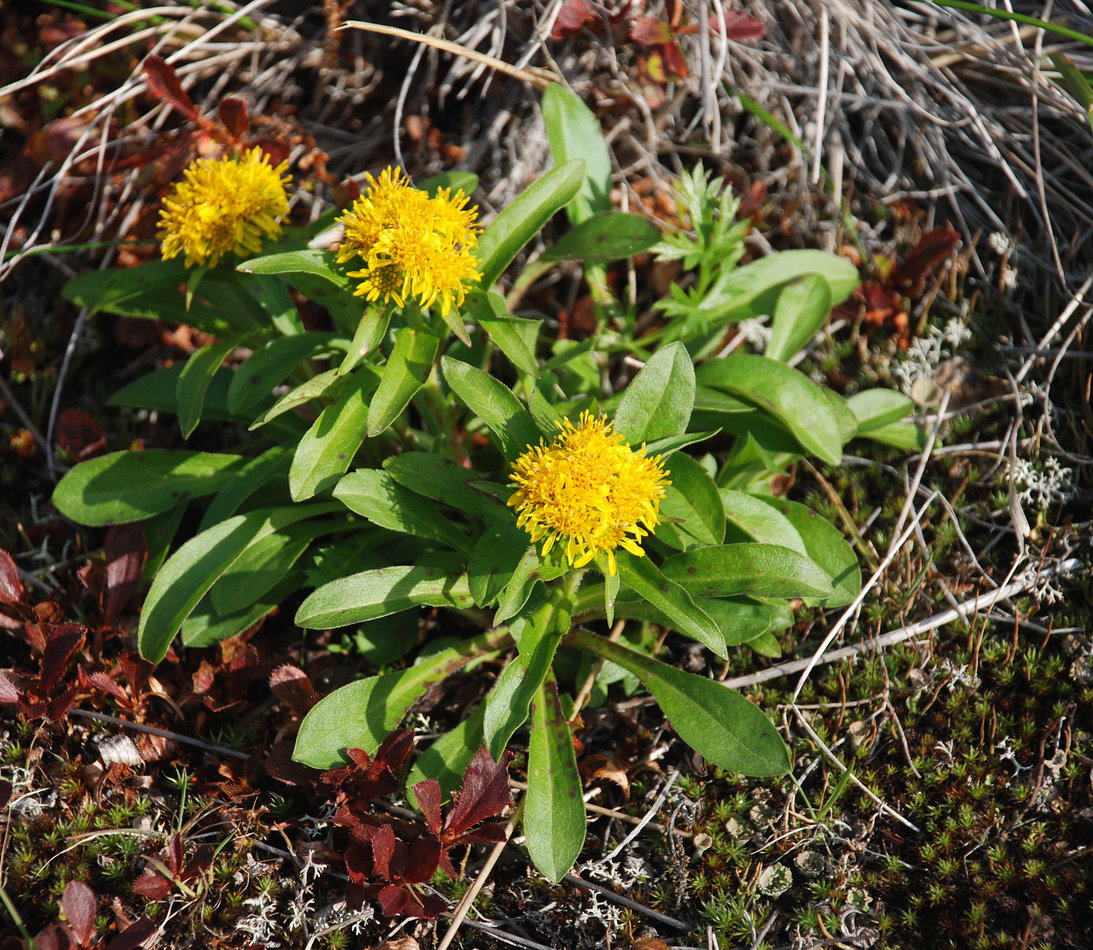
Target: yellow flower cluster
<point>412,245</point>
<point>588,490</point>
<point>224,206</point>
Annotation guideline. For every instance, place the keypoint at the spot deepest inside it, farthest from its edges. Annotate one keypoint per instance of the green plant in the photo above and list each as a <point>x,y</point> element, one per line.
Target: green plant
<point>394,458</point>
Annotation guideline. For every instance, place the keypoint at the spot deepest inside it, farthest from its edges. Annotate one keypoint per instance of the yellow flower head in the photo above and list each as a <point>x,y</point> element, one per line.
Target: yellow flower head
<point>412,245</point>
<point>589,489</point>
<point>223,206</point>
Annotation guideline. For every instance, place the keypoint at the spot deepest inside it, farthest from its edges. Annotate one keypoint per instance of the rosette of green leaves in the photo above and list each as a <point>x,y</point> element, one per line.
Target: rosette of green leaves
<point>304,407</point>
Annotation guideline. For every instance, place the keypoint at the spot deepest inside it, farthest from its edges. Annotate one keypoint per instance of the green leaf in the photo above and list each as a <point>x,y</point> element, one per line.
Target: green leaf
<point>132,486</point>
<point>758,521</point>
<point>825,546</point>
<point>694,499</point>
<point>844,418</point>
<point>380,592</point>
<point>909,436</point>
<point>876,408</point>
<point>754,288</point>
<point>261,566</point>
<point>271,364</point>
<point>274,298</point>
<point>405,372</point>
<point>347,309</point>
<point>194,380</point>
<point>802,308</point>
<point>738,619</point>
<point>244,483</point>
<point>786,393</point>
<point>383,501</point>
<point>196,566</point>
<point>206,625</point>
<point>518,589</point>
<point>507,704</point>
<point>104,289</point>
<point>219,307</point>
<point>443,481</point>
<point>605,236</point>
<point>151,290</point>
<point>658,402</point>
<point>158,390</point>
<point>494,404</point>
<point>546,415</point>
<point>766,644</point>
<point>328,384</point>
<point>612,584</point>
<point>310,261</point>
<point>494,560</point>
<point>670,598</point>
<point>316,275</point>
<point>326,450</point>
<point>574,133</point>
<point>554,822</point>
<point>1076,81</point>
<point>716,402</point>
<point>369,334</point>
<point>759,570</point>
<point>361,715</point>
<point>672,444</point>
<point>718,723</point>
<point>522,219</point>
<point>514,336</point>
<point>159,533</point>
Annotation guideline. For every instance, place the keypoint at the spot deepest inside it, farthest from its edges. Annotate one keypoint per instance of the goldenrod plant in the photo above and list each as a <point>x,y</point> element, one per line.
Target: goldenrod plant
<point>431,448</point>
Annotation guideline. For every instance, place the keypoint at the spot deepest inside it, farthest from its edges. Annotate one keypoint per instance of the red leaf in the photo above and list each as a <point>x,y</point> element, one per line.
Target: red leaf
<point>105,683</point>
<point>175,854</point>
<point>59,705</point>
<point>79,435</point>
<point>53,938</point>
<point>428,800</point>
<point>136,670</point>
<point>291,685</point>
<point>929,251</point>
<point>126,550</point>
<point>446,866</point>
<point>491,831</point>
<point>383,850</point>
<point>11,588</point>
<point>423,860</point>
<point>358,863</point>
<point>672,62</point>
<point>137,933</point>
<point>739,25</point>
<point>200,863</point>
<point>64,640</point>
<point>233,113</point>
<point>163,81</point>
<point>650,31</point>
<point>572,17</point>
<point>153,886</point>
<point>9,692</point>
<point>398,901</point>
<point>78,902</point>
<point>392,753</point>
<point>485,793</point>
<point>203,678</point>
